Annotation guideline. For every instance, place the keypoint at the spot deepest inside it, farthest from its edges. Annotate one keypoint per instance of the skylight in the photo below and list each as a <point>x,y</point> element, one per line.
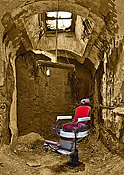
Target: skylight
<point>63,19</point>
<point>60,14</point>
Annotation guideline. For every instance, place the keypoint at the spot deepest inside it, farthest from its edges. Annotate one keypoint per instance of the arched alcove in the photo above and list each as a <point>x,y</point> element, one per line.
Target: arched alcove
<point>16,41</point>
<point>40,98</point>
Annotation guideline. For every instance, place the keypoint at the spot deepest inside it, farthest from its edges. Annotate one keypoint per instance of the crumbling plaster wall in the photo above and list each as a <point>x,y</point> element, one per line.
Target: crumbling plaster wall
<point>48,41</point>
<point>19,10</point>
<point>12,41</point>
<point>40,99</point>
<point>79,28</point>
<point>15,41</point>
<point>111,120</point>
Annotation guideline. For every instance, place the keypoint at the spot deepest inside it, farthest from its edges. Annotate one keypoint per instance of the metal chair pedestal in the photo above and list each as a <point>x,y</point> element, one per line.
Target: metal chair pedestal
<point>74,132</point>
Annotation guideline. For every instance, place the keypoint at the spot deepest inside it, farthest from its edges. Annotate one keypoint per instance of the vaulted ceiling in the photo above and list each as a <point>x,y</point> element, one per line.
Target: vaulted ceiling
<point>16,25</point>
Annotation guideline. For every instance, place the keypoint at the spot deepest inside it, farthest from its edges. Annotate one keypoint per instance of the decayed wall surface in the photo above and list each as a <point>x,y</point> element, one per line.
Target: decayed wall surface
<point>16,40</point>
<point>40,99</point>
<point>112,123</point>
<point>48,42</point>
<point>111,118</point>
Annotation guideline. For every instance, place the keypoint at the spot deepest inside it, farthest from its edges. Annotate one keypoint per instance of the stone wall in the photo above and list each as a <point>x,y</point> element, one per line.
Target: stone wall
<point>15,33</point>
<point>40,99</point>
<point>112,120</point>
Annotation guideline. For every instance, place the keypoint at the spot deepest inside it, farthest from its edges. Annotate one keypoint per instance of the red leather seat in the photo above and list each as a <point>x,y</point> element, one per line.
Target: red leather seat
<point>81,111</point>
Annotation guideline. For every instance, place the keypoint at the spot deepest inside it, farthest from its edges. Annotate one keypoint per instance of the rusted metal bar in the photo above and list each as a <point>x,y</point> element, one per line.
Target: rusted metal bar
<point>107,107</point>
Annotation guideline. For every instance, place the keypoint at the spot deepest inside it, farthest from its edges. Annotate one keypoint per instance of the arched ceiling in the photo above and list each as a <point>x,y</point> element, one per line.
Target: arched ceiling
<point>35,7</point>
<point>14,26</point>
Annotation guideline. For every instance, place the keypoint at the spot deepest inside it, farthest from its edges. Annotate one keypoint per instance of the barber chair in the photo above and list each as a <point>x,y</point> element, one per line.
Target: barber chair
<point>72,133</point>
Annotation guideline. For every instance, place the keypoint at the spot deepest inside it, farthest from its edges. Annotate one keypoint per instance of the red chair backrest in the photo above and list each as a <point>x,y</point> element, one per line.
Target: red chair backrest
<point>82,111</point>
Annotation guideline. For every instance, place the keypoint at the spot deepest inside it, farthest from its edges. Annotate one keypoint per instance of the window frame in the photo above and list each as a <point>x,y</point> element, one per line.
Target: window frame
<point>70,29</point>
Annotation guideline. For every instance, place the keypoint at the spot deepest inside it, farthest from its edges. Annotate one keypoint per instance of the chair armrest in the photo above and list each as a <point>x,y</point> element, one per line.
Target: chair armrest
<point>83,119</point>
<point>63,117</point>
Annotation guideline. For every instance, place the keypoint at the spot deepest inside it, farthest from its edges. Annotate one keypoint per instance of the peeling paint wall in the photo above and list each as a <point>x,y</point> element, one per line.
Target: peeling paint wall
<point>112,125</point>
<point>15,30</point>
<point>41,99</point>
<point>111,119</point>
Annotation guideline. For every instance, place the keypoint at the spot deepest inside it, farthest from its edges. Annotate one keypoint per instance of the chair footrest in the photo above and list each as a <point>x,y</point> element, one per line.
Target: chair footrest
<point>62,147</point>
<point>64,152</point>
